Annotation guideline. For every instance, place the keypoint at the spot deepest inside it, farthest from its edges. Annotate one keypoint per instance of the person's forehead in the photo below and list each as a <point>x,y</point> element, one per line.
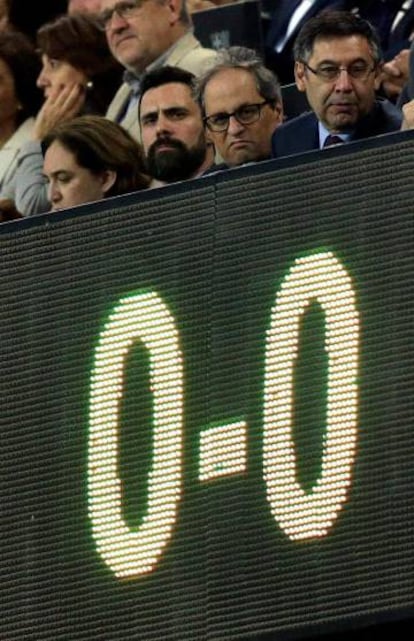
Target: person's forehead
<point>231,86</point>
<point>168,96</point>
<point>59,157</point>
<point>341,49</point>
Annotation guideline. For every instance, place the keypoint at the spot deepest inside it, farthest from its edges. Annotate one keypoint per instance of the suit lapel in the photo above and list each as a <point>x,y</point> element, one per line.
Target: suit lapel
<point>182,48</point>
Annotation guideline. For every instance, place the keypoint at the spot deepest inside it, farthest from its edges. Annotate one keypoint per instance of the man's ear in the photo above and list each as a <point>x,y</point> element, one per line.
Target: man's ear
<point>300,72</point>
<point>108,178</point>
<point>278,113</point>
<point>174,7</point>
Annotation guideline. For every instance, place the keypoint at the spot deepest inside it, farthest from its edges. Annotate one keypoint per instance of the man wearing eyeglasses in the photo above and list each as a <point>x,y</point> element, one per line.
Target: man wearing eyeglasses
<point>337,64</point>
<point>143,35</point>
<point>242,106</point>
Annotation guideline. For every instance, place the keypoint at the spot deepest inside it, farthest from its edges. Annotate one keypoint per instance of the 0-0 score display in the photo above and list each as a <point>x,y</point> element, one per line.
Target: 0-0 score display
<point>302,515</point>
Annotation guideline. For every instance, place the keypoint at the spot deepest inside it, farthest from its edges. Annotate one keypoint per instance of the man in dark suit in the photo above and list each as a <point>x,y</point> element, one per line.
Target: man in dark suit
<point>337,64</point>
<point>392,20</point>
<point>287,19</point>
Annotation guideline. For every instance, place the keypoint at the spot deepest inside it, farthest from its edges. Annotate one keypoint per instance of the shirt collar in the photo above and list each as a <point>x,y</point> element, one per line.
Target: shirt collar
<point>324,133</point>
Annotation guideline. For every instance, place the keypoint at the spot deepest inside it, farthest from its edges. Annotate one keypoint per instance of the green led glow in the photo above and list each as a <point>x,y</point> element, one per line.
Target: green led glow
<point>223,451</point>
<point>139,317</point>
<point>304,515</point>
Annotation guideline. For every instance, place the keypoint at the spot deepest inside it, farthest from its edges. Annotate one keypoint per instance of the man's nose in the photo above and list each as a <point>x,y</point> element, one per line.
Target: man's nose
<point>116,22</point>
<point>163,125</point>
<point>344,80</point>
<point>235,127</point>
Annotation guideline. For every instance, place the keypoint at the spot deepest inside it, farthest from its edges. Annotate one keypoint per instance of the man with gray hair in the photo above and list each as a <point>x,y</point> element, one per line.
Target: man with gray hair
<point>144,35</point>
<point>242,106</point>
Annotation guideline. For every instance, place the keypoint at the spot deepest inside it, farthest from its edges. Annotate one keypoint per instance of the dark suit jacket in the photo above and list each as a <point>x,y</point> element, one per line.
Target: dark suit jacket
<point>283,62</point>
<point>301,134</point>
<point>381,14</point>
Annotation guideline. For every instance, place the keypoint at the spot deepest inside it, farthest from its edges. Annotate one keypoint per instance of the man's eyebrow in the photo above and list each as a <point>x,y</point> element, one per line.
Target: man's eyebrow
<point>226,113</point>
<point>174,109</point>
<point>338,64</point>
<point>145,114</point>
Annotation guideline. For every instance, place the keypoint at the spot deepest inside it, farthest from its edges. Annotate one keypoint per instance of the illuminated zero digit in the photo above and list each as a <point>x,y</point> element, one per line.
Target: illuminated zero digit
<point>304,515</point>
<point>139,317</point>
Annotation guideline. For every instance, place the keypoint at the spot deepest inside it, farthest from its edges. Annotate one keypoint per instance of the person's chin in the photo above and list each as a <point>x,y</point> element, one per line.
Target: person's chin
<point>343,119</point>
<point>125,52</point>
<point>239,154</point>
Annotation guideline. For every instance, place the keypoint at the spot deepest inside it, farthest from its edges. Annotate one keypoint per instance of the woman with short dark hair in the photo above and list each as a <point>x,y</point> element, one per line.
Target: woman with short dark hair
<point>78,76</point>
<point>77,45</point>
<point>90,158</point>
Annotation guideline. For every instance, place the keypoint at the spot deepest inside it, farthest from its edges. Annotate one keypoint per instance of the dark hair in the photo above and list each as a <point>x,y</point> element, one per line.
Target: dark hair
<point>19,55</point>
<point>79,40</point>
<point>165,75</point>
<point>99,144</point>
<point>334,24</point>
<point>266,81</point>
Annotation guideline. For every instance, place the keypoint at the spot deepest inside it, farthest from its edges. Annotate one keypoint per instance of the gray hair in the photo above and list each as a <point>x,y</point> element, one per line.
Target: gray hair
<point>185,17</point>
<point>267,83</point>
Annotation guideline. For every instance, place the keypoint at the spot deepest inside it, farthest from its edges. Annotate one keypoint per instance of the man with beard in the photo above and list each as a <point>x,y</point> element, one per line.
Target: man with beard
<point>172,128</point>
<point>338,66</point>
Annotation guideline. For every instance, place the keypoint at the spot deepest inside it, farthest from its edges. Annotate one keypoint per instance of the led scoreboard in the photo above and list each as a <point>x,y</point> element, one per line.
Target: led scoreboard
<point>206,407</point>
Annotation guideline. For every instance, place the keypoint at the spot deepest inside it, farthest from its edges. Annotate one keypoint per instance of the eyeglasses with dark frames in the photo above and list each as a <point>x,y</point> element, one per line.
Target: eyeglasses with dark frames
<point>124,10</point>
<point>245,115</point>
<point>358,70</point>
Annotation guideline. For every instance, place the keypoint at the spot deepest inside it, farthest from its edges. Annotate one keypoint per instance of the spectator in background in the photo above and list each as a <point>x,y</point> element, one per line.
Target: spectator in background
<point>75,54</point>
<point>20,99</point>
<point>407,92</point>
<point>147,34</point>
<point>338,64</point>
<point>78,76</point>
<point>172,128</point>
<point>394,22</point>
<point>90,158</point>
<point>394,75</point>
<point>242,105</point>
<point>287,19</point>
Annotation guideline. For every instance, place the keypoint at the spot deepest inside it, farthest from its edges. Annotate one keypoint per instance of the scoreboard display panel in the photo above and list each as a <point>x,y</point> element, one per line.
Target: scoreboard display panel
<point>206,407</point>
